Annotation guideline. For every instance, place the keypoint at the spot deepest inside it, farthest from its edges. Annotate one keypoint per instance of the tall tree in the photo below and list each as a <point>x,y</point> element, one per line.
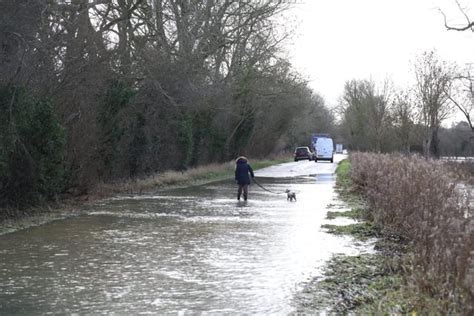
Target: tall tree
<point>433,82</point>
<point>365,114</point>
<point>403,120</point>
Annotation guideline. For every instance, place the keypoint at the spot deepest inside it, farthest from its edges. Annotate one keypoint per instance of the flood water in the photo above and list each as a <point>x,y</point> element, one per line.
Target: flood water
<point>190,250</point>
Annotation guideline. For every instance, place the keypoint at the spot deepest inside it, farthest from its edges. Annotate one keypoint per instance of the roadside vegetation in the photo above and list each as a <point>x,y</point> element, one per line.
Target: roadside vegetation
<point>97,93</point>
<point>105,92</point>
<point>423,202</point>
<point>192,176</point>
<point>12,218</point>
<point>424,261</point>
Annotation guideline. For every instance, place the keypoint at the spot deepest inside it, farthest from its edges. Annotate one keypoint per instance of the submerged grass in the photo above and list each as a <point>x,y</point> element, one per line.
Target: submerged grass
<point>349,284</point>
<point>355,213</point>
<point>361,231</point>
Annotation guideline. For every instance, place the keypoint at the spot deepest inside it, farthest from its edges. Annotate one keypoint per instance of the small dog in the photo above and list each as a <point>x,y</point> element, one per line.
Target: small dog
<point>290,196</point>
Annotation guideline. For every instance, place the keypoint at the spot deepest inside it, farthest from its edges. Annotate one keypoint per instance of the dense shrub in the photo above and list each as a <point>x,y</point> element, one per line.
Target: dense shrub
<point>423,202</point>
<point>31,149</point>
<point>111,130</point>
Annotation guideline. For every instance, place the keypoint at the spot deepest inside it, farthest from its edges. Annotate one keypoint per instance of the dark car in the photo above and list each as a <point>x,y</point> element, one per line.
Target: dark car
<point>303,153</point>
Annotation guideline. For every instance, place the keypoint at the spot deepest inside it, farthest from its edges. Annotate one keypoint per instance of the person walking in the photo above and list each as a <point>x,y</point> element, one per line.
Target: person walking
<point>243,172</point>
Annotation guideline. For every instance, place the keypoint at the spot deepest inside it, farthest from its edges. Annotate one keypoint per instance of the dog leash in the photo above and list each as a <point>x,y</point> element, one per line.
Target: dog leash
<point>263,188</point>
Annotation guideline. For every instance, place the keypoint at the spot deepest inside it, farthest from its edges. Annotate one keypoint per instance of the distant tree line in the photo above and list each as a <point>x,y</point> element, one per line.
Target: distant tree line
<point>379,118</point>
<point>94,90</point>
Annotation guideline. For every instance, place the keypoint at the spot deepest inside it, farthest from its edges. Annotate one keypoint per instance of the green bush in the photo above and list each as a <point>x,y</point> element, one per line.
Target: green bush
<point>32,146</point>
<point>111,126</point>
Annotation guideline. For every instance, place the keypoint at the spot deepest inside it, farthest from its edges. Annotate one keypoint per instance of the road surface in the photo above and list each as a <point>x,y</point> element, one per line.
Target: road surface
<point>193,250</point>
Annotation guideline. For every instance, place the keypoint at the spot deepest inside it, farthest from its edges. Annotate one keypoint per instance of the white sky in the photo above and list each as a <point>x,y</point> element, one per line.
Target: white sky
<point>340,40</point>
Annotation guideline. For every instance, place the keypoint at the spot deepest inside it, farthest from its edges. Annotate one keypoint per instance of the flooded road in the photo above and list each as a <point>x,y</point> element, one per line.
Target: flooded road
<point>186,250</point>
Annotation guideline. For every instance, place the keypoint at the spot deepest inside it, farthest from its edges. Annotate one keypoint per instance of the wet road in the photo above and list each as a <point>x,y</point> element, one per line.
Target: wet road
<point>188,250</point>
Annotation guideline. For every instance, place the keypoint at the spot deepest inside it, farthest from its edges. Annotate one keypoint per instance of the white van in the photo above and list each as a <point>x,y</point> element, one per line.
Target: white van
<point>324,149</point>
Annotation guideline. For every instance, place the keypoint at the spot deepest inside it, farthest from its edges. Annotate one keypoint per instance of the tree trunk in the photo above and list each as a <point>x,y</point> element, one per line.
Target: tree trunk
<point>434,143</point>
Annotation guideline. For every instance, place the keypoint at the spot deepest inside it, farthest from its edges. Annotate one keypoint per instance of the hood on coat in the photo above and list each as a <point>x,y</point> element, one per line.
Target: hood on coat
<point>241,159</point>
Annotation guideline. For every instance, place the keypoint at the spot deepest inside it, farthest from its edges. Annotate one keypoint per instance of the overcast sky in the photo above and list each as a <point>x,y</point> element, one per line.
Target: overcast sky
<point>340,40</point>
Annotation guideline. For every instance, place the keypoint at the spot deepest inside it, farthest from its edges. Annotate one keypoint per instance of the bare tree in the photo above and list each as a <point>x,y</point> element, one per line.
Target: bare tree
<point>462,96</point>
<point>433,81</point>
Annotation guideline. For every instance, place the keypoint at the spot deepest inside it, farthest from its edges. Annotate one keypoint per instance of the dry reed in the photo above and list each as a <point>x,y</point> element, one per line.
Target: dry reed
<point>423,202</point>
<point>164,179</point>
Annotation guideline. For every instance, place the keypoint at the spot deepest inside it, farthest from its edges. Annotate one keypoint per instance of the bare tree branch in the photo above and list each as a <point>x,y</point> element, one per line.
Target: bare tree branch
<point>468,26</point>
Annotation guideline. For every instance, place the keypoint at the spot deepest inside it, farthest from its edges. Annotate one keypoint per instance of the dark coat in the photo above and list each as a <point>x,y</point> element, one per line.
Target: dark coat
<point>242,171</point>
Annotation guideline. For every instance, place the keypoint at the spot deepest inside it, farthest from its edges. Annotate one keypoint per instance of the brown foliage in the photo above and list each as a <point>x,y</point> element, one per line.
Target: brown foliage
<point>464,170</point>
<point>423,202</point>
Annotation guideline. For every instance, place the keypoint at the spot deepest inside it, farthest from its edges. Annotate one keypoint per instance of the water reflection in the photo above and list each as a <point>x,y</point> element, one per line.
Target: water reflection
<point>190,250</point>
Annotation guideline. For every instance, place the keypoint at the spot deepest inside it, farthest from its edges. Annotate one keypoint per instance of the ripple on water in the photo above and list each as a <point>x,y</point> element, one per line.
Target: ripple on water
<point>196,250</point>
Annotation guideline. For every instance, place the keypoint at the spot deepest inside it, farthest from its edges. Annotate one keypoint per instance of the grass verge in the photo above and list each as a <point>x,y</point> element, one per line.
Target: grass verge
<point>345,189</point>
<point>173,179</point>
<point>363,284</point>
<point>38,215</point>
<point>343,179</point>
